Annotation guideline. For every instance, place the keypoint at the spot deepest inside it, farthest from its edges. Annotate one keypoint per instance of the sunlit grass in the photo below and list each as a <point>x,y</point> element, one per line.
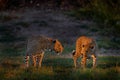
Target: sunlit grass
<point>13,68</point>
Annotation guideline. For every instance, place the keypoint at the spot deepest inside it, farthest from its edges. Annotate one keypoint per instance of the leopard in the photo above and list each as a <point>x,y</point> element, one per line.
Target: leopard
<point>86,48</point>
<point>37,46</point>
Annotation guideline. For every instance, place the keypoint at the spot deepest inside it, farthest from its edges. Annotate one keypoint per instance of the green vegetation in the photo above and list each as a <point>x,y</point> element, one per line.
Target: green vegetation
<point>5,18</point>
<point>43,23</point>
<point>12,68</point>
<point>68,49</point>
<point>23,24</point>
<point>8,34</point>
<point>55,67</point>
<point>105,15</point>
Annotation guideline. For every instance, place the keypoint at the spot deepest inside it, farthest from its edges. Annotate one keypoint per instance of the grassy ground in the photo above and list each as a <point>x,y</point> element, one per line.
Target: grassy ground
<point>56,68</point>
<point>15,29</point>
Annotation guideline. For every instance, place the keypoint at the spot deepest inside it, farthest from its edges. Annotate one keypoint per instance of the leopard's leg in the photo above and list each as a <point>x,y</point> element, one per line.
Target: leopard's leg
<point>94,60</point>
<point>34,60</point>
<point>75,61</point>
<point>27,60</point>
<point>40,58</point>
<point>83,61</point>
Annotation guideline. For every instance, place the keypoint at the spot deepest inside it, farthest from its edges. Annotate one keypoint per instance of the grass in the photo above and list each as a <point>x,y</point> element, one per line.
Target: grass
<point>43,23</point>
<point>101,13</point>
<point>107,24</point>
<point>107,43</point>
<point>23,24</point>
<point>56,68</point>
<point>68,48</point>
<point>5,18</point>
<point>8,34</point>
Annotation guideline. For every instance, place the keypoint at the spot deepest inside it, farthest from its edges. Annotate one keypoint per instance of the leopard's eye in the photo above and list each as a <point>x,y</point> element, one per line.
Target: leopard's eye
<point>92,47</point>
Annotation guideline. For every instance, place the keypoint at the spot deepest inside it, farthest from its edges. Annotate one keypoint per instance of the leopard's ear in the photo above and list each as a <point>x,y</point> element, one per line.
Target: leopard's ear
<point>50,39</point>
<point>73,52</point>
